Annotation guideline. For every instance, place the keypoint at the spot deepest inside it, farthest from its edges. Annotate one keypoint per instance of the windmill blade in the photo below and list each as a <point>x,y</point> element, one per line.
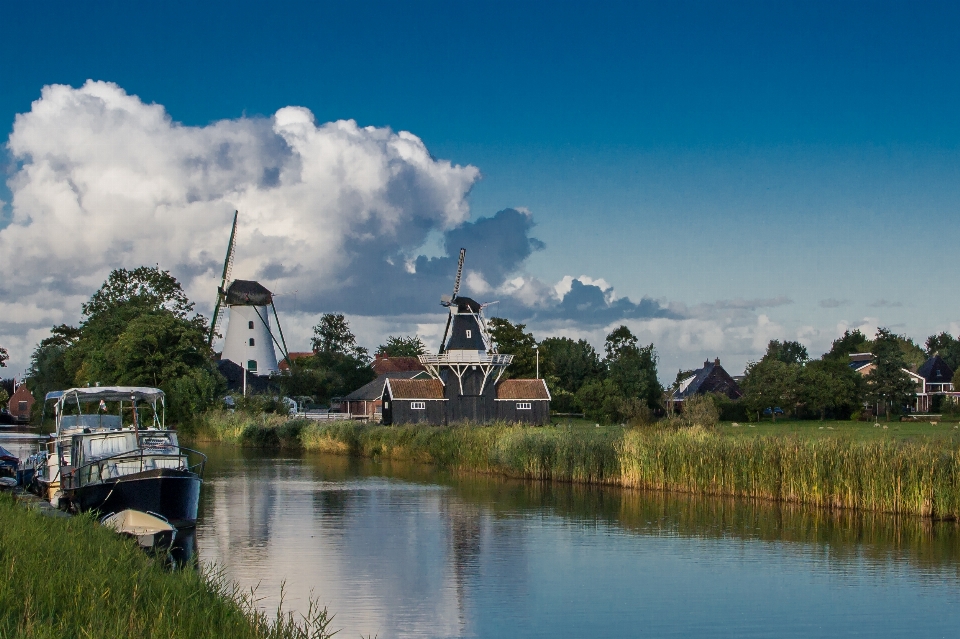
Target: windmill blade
<point>221,290</point>
<point>456,286</point>
<point>443,342</point>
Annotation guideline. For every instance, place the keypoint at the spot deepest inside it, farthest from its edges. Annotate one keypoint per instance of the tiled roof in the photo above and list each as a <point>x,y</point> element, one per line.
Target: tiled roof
<point>415,388</point>
<point>374,390</point>
<point>523,389</point>
<point>383,365</point>
<point>293,357</point>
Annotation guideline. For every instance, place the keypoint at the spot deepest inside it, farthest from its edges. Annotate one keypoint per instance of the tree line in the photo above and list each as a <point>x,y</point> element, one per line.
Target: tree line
<point>140,328</point>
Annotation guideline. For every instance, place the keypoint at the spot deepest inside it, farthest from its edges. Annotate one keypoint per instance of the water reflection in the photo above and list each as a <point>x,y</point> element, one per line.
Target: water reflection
<point>400,550</point>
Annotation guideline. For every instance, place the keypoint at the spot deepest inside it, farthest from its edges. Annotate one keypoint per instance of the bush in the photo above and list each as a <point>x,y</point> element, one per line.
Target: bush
<point>700,410</point>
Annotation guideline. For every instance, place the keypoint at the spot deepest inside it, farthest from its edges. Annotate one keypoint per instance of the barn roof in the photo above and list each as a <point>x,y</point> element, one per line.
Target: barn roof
<point>374,390</point>
<point>523,389</point>
<point>247,293</point>
<point>383,364</point>
<point>936,371</point>
<point>414,388</point>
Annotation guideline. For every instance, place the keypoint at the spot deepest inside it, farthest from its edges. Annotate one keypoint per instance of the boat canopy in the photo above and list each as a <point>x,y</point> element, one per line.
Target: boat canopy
<point>107,394</point>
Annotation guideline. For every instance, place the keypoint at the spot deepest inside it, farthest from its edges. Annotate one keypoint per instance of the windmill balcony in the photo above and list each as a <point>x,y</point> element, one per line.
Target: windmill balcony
<point>466,357</point>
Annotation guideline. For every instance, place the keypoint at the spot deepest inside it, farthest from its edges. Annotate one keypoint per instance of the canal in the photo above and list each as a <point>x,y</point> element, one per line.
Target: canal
<point>401,550</point>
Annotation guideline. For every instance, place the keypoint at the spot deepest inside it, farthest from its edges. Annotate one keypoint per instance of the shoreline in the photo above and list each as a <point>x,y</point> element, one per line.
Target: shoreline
<point>898,477</point>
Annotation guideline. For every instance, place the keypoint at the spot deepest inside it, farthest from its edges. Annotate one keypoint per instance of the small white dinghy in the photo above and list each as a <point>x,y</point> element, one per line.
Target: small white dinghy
<point>150,530</point>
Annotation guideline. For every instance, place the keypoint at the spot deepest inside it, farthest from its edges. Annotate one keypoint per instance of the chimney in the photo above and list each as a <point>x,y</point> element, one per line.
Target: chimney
<point>717,361</point>
<point>706,363</point>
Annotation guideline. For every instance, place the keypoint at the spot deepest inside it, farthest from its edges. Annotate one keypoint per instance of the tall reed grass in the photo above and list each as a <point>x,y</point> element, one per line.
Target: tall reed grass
<point>73,578</point>
<point>913,478</point>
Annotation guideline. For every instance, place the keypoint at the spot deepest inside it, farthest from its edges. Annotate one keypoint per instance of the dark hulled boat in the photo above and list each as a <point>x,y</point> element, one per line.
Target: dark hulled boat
<point>105,462</point>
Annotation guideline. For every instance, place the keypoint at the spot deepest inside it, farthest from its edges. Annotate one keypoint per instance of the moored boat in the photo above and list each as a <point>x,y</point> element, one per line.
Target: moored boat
<point>118,456</point>
<point>148,529</point>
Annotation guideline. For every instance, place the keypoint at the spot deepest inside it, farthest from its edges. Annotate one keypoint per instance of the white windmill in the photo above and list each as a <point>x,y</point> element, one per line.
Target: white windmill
<point>249,341</point>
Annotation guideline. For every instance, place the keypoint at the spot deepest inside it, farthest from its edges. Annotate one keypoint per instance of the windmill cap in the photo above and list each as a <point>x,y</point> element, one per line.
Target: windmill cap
<point>467,305</point>
<point>247,293</point>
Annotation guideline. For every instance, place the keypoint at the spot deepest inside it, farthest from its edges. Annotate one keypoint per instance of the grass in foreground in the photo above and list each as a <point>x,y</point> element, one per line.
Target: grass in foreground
<point>73,578</point>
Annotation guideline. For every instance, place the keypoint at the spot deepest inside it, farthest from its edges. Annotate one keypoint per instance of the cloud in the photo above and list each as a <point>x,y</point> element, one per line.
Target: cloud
<point>832,303</point>
<point>333,211</point>
<point>881,303</point>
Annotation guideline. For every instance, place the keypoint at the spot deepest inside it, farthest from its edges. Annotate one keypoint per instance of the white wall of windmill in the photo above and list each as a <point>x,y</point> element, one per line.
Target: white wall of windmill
<point>248,339</point>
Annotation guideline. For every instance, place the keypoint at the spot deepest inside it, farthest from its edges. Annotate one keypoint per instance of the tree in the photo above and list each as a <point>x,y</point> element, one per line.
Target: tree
<point>4,356</point>
<point>829,385</point>
<point>850,342</point>
<point>569,364</point>
<point>888,384</point>
<point>402,347</point>
<point>511,339</point>
<point>632,369</point>
<point>332,335</point>
<point>787,352</point>
<point>136,330</point>
<point>770,383</point>
<point>947,347</point>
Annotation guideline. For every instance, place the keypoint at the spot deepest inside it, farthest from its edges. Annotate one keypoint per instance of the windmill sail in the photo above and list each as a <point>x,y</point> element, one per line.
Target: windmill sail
<point>221,291</point>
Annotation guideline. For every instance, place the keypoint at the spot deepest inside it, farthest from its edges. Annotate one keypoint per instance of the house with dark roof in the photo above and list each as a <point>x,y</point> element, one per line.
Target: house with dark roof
<point>937,380</point>
<point>711,378</point>
<point>367,401</point>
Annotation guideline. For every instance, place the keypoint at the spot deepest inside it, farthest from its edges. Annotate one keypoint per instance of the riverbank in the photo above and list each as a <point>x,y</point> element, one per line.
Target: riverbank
<point>70,577</point>
<point>882,474</point>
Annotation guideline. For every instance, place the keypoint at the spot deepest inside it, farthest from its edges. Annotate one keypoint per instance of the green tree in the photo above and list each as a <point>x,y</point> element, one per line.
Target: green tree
<point>888,384</point>
<point>786,351</point>
<point>4,356</point>
<point>850,342</point>
<point>829,385</point>
<point>947,347</point>
<point>332,336</point>
<point>511,339</point>
<point>569,364</point>
<point>632,369</point>
<point>136,329</point>
<point>770,383</point>
<point>402,347</point>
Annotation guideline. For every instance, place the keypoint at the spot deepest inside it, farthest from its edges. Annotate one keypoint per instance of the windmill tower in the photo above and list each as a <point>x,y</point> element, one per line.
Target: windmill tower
<point>467,363</point>
<point>249,341</point>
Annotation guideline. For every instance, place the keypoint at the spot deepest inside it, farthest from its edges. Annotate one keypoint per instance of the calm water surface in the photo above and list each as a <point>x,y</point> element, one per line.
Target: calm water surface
<point>406,551</point>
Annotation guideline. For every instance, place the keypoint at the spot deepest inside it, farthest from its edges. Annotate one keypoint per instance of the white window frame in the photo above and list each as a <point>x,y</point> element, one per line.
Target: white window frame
<point>418,405</point>
<point>469,334</point>
<point>524,405</point>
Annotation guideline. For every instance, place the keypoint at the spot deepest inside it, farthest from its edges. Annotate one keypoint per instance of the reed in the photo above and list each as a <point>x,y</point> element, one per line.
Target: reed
<point>72,578</point>
<point>919,477</point>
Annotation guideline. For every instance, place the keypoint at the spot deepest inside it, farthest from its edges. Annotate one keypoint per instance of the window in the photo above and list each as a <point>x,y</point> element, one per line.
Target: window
<point>469,334</point>
<point>386,404</point>
<point>21,407</point>
<point>418,405</point>
<point>524,406</point>
<point>250,324</point>
<point>253,342</point>
<point>252,365</point>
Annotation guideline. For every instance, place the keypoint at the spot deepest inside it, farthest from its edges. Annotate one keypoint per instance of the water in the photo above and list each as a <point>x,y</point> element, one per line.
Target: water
<point>399,550</point>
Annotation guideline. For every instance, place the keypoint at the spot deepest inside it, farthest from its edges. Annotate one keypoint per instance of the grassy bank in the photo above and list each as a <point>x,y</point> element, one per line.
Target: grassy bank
<point>919,476</point>
<point>73,578</point>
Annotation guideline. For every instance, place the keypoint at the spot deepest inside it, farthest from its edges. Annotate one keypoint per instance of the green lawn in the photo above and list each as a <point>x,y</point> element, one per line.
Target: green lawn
<point>947,432</point>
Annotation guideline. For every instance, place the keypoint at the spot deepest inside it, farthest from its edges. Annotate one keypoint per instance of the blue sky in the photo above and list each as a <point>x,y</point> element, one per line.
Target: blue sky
<point>762,169</point>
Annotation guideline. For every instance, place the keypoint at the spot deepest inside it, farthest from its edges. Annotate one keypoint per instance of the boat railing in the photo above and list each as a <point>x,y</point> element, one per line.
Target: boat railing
<point>134,461</point>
